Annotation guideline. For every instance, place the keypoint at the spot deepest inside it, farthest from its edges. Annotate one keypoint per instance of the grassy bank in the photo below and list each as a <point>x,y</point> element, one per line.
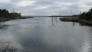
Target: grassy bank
<point>69,19</point>
<point>7,19</point>
<point>72,19</point>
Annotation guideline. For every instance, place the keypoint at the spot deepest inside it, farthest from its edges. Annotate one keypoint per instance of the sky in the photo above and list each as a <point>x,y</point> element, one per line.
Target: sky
<point>46,7</point>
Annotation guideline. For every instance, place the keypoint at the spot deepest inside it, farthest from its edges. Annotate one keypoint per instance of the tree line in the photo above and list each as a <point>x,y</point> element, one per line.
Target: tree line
<point>86,15</point>
<point>6,14</point>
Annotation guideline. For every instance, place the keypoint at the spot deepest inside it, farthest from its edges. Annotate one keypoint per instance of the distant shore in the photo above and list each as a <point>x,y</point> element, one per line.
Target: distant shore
<point>76,19</point>
<point>7,19</point>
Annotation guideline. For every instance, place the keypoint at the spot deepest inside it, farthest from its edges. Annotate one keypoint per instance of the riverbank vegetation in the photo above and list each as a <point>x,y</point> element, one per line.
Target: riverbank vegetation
<point>5,15</point>
<point>85,18</point>
<point>86,15</point>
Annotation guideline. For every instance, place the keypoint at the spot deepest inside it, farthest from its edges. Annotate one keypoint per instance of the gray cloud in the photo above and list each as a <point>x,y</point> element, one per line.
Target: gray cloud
<point>47,7</point>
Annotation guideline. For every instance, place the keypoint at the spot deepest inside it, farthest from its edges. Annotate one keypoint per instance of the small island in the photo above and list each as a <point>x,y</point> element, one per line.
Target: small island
<point>5,15</point>
<point>83,18</point>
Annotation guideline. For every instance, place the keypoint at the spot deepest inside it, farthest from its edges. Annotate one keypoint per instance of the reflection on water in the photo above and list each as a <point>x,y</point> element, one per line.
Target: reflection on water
<point>53,20</point>
<point>3,26</point>
<point>46,34</point>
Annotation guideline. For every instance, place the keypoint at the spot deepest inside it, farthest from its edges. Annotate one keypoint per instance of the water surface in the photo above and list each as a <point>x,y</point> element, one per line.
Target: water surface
<point>46,34</point>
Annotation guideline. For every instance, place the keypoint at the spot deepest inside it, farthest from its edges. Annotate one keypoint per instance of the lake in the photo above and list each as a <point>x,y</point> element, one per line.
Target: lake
<point>45,34</point>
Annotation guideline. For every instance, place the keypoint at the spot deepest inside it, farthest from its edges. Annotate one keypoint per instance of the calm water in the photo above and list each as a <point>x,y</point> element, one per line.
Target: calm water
<point>46,34</point>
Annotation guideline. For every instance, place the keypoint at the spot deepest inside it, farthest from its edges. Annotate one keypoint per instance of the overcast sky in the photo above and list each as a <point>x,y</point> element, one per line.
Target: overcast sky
<point>46,7</point>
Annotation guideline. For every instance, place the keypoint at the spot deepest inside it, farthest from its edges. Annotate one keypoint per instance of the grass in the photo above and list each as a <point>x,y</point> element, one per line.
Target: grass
<point>72,19</point>
<point>7,19</point>
<point>69,19</point>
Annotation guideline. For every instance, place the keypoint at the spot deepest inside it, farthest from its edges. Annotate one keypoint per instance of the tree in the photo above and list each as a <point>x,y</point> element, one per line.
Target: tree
<point>86,15</point>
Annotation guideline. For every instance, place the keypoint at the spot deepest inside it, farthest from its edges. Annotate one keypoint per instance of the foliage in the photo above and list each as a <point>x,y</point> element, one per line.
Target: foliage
<point>86,15</point>
<point>5,14</point>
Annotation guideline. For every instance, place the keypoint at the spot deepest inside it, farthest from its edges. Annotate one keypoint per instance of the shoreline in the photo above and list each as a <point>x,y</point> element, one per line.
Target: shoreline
<point>8,19</point>
<point>76,19</point>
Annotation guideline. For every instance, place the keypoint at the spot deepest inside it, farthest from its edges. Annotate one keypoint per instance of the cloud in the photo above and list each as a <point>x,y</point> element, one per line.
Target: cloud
<point>25,3</point>
<point>64,3</point>
<point>83,5</point>
<point>48,7</point>
<point>41,7</point>
<point>5,1</point>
